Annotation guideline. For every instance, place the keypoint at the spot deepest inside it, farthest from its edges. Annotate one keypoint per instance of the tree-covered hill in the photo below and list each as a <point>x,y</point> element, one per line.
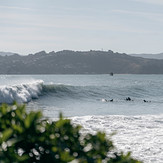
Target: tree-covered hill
<point>79,62</point>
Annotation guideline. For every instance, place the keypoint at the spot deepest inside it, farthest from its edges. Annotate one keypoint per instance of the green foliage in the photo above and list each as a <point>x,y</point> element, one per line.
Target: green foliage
<point>27,137</point>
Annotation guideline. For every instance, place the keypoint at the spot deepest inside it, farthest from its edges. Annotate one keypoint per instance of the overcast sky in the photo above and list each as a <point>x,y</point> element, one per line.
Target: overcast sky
<point>129,26</point>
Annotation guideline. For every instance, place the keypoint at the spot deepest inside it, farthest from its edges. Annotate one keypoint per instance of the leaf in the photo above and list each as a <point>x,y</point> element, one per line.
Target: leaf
<point>6,134</point>
<point>18,128</point>
<point>65,156</point>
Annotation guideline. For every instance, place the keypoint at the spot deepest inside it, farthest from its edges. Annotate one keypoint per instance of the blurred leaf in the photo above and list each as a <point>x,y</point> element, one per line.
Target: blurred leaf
<point>6,134</point>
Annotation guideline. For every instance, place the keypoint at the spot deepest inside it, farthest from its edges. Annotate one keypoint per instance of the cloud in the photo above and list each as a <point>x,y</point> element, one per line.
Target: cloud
<point>156,2</point>
<point>68,25</point>
<point>15,7</point>
<point>153,16</point>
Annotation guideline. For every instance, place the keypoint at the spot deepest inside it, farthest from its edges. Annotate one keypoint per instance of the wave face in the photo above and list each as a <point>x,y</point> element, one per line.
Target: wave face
<point>25,92</point>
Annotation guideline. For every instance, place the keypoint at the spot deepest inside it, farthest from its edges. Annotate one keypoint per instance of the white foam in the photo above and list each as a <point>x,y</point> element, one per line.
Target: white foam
<point>21,93</point>
<point>143,135</point>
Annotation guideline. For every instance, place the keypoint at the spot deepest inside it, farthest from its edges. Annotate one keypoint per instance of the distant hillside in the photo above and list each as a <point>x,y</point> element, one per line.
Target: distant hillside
<point>6,53</point>
<point>79,62</point>
<point>152,56</point>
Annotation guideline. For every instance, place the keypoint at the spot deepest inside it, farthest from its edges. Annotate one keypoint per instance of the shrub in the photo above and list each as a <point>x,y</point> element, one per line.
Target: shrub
<point>27,137</point>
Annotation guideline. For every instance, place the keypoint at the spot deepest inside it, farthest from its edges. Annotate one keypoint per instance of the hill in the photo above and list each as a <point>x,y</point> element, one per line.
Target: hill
<point>152,56</point>
<point>79,62</point>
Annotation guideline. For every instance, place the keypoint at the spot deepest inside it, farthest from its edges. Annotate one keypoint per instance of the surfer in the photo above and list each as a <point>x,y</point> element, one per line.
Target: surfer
<point>105,100</point>
<point>128,99</point>
<point>146,101</point>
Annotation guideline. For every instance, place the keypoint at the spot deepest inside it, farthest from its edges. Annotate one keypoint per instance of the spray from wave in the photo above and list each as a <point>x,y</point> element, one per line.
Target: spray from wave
<point>21,93</point>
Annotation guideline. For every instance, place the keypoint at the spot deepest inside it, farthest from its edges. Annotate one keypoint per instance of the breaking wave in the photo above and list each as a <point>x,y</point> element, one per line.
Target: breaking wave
<point>25,92</point>
<point>21,93</point>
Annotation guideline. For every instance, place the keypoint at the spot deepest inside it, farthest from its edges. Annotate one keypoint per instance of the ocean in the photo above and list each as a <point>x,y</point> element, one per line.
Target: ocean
<point>98,102</point>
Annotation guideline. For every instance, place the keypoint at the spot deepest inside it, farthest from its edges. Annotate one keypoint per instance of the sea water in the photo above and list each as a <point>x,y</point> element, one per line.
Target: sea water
<point>86,100</point>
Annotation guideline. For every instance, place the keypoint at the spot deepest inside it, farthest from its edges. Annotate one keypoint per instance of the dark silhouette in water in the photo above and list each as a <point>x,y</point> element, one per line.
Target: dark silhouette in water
<point>105,100</point>
<point>111,74</point>
<point>128,99</point>
<point>146,101</point>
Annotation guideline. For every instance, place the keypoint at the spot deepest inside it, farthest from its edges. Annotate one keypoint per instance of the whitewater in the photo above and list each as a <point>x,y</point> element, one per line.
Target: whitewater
<point>98,102</point>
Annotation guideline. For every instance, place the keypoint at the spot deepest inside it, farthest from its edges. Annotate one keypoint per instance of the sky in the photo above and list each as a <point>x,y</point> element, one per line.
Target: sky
<point>125,26</point>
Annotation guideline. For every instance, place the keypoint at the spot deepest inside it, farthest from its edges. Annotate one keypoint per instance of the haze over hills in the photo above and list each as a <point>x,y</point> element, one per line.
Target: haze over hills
<point>79,62</point>
<point>152,56</point>
<point>6,53</point>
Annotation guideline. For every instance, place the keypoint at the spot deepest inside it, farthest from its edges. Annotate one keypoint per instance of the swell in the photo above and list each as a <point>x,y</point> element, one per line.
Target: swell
<point>25,92</point>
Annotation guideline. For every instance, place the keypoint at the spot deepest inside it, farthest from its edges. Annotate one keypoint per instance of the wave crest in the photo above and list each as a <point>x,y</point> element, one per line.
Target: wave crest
<point>22,93</point>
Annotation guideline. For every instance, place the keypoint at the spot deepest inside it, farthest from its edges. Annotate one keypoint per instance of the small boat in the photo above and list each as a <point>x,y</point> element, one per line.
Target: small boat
<point>111,74</point>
